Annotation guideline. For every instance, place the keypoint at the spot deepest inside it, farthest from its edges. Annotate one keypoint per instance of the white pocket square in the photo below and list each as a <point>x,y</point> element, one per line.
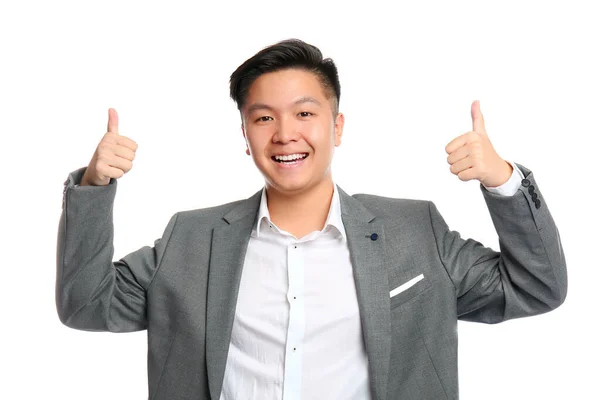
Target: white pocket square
<point>406,285</point>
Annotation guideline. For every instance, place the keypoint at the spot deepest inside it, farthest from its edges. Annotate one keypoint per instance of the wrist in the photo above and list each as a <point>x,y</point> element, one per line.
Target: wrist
<point>502,177</point>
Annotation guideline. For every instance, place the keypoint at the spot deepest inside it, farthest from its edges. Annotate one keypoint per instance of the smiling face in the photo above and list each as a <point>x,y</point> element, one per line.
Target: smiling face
<point>290,130</point>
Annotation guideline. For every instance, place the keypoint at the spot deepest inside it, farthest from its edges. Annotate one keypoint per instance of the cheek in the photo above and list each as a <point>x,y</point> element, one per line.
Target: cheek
<point>258,139</point>
<point>320,136</point>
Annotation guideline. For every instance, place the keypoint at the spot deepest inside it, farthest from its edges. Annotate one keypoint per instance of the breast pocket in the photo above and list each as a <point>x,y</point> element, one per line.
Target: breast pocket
<point>409,290</point>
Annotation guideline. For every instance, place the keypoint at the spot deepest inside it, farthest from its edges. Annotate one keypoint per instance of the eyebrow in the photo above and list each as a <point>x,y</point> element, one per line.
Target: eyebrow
<point>302,100</point>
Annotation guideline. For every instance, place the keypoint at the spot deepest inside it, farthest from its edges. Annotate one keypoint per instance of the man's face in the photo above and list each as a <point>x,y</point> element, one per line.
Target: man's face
<point>290,130</point>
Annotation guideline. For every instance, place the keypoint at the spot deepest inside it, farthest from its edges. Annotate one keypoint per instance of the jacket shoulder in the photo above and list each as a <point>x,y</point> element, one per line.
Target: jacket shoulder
<point>394,208</point>
<point>208,214</point>
<point>212,217</point>
<point>385,202</point>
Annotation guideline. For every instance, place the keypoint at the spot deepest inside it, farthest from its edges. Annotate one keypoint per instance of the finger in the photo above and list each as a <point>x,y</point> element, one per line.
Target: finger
<point>120,163</point>
<point>461,165</point>
<point>124,152</point>
<point>113,121</point>
<point>110,172</point>
<point>459,154</point>
<point>467,174</point>
<point>129,143</point>
<point>477,117</point>
<point>459,142</point>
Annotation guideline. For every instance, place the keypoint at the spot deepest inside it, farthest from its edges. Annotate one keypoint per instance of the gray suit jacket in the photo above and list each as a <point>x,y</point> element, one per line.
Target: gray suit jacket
<point>184,289</point>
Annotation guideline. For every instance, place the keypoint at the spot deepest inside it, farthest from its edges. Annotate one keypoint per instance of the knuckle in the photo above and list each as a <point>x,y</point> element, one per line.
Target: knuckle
<point>102,159</point>
<point>105,147</point>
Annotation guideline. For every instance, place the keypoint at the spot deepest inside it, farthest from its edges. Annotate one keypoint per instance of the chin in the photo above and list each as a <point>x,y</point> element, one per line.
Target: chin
<point>291,182</point>
<point>288,187</point>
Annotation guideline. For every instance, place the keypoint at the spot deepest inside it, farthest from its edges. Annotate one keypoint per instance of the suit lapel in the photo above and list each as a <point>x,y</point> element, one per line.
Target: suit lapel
<point>372,287</point>
<point>228,250</point>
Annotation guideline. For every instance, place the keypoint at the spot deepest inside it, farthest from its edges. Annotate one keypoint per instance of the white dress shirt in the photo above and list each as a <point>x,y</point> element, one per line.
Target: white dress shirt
<point>296,331</point>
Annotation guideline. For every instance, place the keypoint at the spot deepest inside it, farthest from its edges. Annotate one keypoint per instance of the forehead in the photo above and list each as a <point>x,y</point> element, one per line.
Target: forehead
<point>282,88</point>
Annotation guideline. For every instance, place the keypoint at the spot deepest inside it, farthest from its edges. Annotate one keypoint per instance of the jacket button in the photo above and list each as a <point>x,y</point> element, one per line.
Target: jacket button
<point>374,236</point>
<point>538,203</point>
<point>531,189</point>
<point>526,182</point>
<point>534,196</point>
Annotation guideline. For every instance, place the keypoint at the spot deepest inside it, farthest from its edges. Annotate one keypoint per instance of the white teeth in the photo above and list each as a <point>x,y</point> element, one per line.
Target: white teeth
<point>289,157</point>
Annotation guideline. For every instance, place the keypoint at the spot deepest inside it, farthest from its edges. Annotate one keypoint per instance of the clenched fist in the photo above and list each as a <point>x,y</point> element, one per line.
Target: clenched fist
<point>113,157</point>
<point>472,156</point>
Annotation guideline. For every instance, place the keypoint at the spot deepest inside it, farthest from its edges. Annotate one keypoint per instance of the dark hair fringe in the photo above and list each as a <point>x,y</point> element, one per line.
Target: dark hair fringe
<point>286,54</point>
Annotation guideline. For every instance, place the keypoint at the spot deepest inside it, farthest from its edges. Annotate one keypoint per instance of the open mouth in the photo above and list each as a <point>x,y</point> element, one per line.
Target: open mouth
<point>290,159</point>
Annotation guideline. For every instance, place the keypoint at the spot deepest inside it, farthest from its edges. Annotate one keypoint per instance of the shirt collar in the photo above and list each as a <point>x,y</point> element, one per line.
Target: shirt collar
<point>334,217</point>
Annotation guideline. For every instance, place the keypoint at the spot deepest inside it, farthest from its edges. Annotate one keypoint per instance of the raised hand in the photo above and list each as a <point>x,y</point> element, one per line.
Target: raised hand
<point>472,156</point>
<point>113,156</point>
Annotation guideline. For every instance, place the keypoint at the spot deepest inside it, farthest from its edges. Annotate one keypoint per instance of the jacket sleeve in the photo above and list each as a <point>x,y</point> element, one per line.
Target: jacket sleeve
<point>94,293</point>
<point>527,277</point>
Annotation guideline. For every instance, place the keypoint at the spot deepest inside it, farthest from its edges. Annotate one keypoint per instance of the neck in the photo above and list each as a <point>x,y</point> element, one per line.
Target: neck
<point>301,213</point>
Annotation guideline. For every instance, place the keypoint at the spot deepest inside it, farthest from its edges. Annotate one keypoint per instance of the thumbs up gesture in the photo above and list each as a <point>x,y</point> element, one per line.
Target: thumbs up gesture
<point>472,156</point>
<point>113,157</point>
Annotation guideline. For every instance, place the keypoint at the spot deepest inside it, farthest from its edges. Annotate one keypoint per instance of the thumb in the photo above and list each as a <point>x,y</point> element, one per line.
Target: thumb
<point>113,121</point>
<point>477,117</point>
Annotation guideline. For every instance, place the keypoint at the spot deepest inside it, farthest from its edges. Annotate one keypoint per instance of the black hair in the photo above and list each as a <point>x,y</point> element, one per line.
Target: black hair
<point>286,54</point>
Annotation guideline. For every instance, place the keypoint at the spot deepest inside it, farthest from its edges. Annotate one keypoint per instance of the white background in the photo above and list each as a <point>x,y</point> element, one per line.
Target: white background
<point>408,75</point>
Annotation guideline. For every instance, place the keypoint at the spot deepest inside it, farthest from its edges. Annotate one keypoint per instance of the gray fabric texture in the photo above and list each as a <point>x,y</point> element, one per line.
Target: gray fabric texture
<point>183,290</point>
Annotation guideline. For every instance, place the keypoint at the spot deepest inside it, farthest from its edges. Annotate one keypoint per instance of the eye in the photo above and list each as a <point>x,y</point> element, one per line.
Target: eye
<point>305,114</point>
<point>264,119</point>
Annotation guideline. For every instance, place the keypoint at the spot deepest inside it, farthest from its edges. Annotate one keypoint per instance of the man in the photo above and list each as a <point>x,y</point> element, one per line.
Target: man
<point>302,291</point>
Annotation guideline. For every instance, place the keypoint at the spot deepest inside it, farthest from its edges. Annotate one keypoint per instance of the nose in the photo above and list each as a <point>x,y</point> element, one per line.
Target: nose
<point>286,131</point>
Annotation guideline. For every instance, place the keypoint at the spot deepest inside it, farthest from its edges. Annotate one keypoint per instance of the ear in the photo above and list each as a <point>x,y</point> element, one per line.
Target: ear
<point>339,129</point>
<point>245,138</point>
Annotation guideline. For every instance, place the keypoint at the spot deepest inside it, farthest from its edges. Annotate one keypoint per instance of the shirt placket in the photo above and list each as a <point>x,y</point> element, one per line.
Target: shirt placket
<point>295,334</point>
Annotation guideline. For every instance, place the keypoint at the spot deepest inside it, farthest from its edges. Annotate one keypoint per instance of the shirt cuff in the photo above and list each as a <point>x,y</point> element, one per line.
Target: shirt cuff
<point>511,186</point>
